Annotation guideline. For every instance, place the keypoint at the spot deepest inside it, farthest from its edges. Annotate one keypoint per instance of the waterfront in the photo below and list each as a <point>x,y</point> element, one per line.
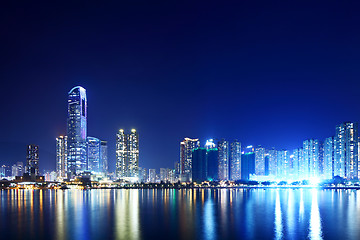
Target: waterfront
<point>180,214</point>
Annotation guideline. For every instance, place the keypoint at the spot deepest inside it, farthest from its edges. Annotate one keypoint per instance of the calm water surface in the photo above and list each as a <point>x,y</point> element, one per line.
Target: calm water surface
<point>180,214</point>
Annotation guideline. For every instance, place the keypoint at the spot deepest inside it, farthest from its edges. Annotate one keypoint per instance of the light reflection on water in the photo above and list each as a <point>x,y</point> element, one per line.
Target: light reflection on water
<point>180,214</point>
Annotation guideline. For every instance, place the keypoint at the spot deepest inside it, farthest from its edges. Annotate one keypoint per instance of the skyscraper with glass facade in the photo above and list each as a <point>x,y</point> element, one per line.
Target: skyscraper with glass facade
<point>77,131</point>
<point>104,157</point>
<point>94,155</point>
<point>127,154</point>
<point>199,165</point>
<point>61,157</point>
<point>186,148</point>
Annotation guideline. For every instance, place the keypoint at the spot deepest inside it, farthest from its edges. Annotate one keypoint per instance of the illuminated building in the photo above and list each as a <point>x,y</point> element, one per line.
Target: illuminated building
<point>152,175</point>
<point>272,161</point>
<point>212,164</point>
<point>210,144</point>
<point>186,147</point>
<point>103,157</point>
<point>14,170</point>
<point>199,165</point>
<point>297,161</point>
<point>346,151</point>
<point>32,160</point>
<point>235,160</point>
<point>77,131</point>
<point>282,158</point>
<point>247,163</point>
<point>127,154</point>
<point>61,156</point>
<point>311,158</point>
<point>17,169</point>
<point>165,175</point>
<point>143,175</point>
<point>329,156</point>
<point>93,147</point>
<point>223,160</point>
<point>260,161</point>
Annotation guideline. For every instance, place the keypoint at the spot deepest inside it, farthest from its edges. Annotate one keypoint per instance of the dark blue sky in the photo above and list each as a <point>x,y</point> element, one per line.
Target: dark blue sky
<point>264,73</point>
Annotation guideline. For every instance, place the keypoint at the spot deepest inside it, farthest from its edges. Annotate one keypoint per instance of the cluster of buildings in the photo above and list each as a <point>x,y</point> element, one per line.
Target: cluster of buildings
<point>79,155</point>
<point>315,160</point>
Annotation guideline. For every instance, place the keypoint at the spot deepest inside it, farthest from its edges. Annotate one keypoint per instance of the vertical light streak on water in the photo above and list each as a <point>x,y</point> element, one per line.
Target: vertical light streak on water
<point>278,218</point>
<point>134,213</point>
<point>352,217</point>
<point>224,209</point>
<point>291,215</point>
<point>301,206</point>
<point>209,230</point>
<point>315,232</point>
<point>59,216</point>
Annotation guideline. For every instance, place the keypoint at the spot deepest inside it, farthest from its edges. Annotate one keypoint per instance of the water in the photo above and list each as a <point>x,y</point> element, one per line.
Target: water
<point>180,214</point>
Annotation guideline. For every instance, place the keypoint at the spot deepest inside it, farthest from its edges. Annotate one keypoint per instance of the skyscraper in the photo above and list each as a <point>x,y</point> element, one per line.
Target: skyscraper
<point>271,154</point>
<point>247,163</point>
<point>104,157</point>
<point>152,175</point>
<point>127,154</point>
<point>93,154</point>
<point>77,131</point>
<point>235,160</point>
<point>199,165</point>
<point>212,164</point>
<point>61,156</point>
<point>186,147</point>
<point>346,151</point>
<point>329,156</point>
<point>223,153</point>
<point>32,160</point>
<point>311,158</point>
<point>260,161</point>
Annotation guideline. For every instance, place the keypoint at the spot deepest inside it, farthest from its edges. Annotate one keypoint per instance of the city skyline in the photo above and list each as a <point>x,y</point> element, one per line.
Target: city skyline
<point>172,78</point>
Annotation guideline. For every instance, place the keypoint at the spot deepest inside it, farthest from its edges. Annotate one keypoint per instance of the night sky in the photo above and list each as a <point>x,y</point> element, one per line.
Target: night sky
<point>264,73</point>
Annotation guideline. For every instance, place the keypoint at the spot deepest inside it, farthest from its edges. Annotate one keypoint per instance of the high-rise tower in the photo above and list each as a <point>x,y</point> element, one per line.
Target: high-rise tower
<point>61,156</point>
<point>127,154</point>
<point>186,147</point>
<point>235,160</point>
<point>77,131</point>
<point>223,151</point>
<point>32,160</point>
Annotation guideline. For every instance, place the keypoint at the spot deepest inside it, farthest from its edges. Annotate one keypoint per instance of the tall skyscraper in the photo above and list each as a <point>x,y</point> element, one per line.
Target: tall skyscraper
<point>346,151</point>
<point>311,158</point>
<point>329,156</point>
<point>260,161</point>
<point>77,131</point>
<point>235,160</point>
<point>247,163</point>
<point>61,157</point>
<point>271,154</point>
<point>223,153</point>
<point>104,157</point>
<point>199,165</point>
<point>94,155</point>
<point>212,164</point>
<point>32,160</point>
<point>282,157</point>
<point>127,154</point>
<point>186,148</point>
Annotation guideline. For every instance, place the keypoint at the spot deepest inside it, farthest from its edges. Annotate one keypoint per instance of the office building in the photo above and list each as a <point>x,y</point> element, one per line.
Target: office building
<point>104,157</point>
<point>247,163</point>
<point>152,175</point>
<point>94,155</point>
<point>199,165</point>
<point>76,131</point>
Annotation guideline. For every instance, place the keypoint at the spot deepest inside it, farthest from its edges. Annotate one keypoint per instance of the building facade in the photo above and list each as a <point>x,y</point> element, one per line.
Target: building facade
<point>235,160</point>
<point>186,148</point>
<point>77,131</point>
<point>127,154</point>
<point>32,160</point>
<point>61,157</point>
<point>223,160</point>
